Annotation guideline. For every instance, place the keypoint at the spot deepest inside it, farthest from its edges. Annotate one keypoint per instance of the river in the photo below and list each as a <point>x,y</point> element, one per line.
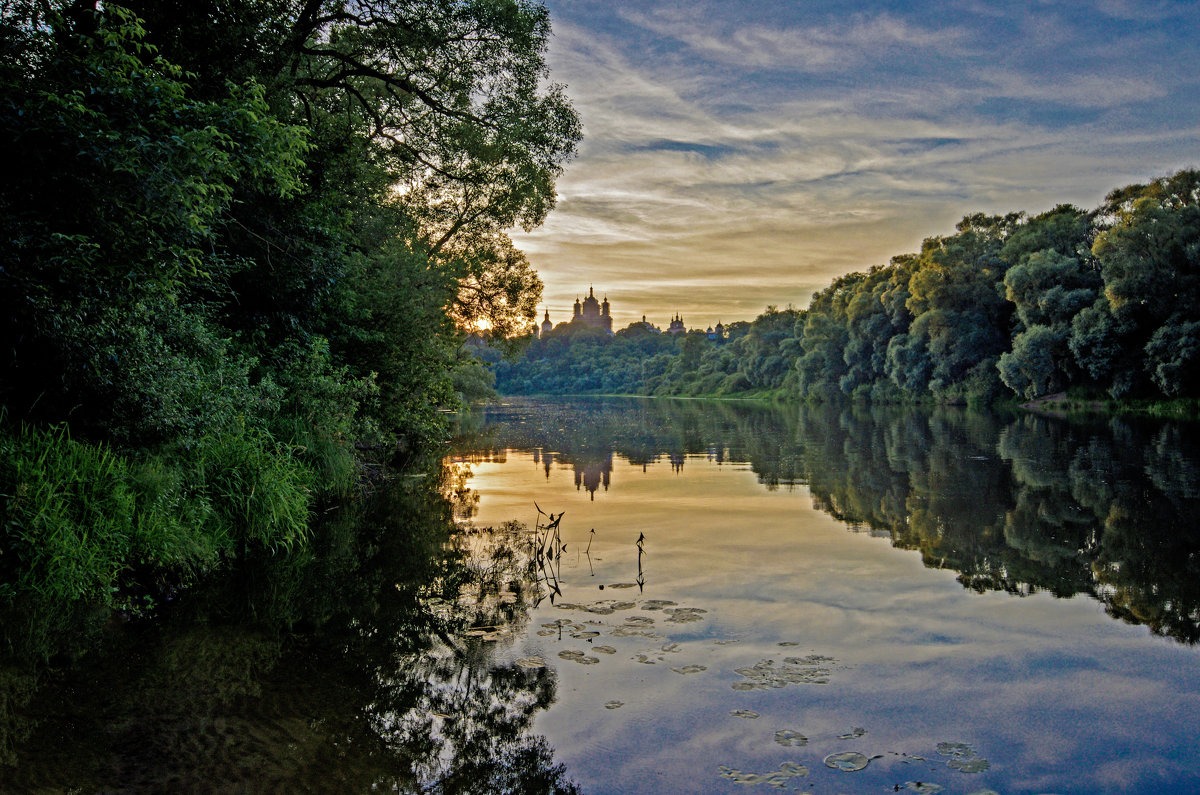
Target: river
<point>622,596</point>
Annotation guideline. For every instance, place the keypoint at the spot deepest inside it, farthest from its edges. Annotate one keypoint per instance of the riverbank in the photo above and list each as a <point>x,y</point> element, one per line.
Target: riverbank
<point>1063,404</point>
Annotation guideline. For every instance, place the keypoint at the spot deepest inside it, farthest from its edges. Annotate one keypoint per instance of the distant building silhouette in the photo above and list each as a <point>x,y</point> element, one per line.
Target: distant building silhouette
<point>593,313</point>
<point>588,312</point>
<point>647,325</point>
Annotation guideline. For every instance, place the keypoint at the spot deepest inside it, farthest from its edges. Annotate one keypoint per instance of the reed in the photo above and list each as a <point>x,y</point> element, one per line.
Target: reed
<point>259,490</point>
<point>68,515</point>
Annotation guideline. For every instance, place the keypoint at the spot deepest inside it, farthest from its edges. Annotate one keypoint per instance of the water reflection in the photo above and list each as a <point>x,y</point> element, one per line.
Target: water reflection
<point>365,663</point>
<point>1015,503</point>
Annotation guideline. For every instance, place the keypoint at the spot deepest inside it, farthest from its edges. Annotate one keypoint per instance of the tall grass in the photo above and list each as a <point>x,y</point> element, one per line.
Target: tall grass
<point>257,488</point>
<point>68,516</point>
<point>335,468</point>
<point>83,526</point>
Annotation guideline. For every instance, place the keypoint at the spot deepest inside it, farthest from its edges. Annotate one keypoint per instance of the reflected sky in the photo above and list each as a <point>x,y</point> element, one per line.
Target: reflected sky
<point>1053,693</point>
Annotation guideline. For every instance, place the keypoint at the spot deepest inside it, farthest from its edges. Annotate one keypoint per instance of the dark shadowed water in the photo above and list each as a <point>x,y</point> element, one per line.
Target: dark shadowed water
<point>733,597</point>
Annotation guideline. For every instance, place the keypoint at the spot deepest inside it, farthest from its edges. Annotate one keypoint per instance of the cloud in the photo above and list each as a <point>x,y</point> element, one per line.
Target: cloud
<point>834,45</point>
<point>1083,91</point>
<point>1140,11</point>
<point>711,185</point>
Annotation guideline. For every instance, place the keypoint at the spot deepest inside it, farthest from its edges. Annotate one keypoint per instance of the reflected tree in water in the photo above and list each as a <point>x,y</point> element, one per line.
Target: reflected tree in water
<point>1014,502</point>
<point>362,663</point>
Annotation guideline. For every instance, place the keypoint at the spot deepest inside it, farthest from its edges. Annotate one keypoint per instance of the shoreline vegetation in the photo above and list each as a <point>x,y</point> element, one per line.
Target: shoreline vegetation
<point>238,273</point>
<point>1098,308</point>
<point>1060,404</point>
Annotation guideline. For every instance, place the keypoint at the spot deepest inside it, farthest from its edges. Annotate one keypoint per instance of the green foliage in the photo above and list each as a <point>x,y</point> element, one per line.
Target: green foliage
<point>82,522</point>
<point>473,380</point>
<point>69,512</point>
<point>322,412</point>
<point>1101,301</point>
<point>258,491</point>
<point>234,263</point>
<point>1174,354</point>
<point>1030,369</point>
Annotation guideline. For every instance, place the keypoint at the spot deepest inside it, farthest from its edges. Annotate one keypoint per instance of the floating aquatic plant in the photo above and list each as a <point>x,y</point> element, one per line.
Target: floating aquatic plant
<point>604,607</point>
<point>578,656</point>
<point>684,615</point>
<point>779,779</point>
<point>963,757</point>
<point>690,669</point>
<point>631,631</point>
<point>792,671</point>
<point>790,739</point>
<point>847,761</point>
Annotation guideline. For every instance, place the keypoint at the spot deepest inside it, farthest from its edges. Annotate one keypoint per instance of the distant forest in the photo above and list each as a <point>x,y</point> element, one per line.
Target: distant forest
<point>1100,304</point>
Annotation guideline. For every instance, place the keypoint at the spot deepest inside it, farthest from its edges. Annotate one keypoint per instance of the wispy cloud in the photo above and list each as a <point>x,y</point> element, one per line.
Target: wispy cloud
<point>1078,90</point>
<point>831,45</point>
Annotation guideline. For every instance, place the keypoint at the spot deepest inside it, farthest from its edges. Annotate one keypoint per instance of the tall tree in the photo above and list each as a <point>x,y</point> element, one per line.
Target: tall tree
<point>1149,255</point>
<point>1052,278</point>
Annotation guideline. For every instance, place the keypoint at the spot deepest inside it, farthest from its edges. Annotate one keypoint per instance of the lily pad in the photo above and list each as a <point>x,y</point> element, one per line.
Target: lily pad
<point>629,631</point>
<point>975,764</point>
<point>790,739</point>
<point>778,779</point>
<point>690,669</point>
<point>847,761</point>
<point>684,615</point>
<point>793,671</point>
<point>963,757</point>
<point>578,656</point>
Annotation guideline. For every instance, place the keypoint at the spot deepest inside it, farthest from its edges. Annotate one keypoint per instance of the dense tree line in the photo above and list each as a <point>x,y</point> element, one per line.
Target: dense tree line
<point>242,242</point>
<point>1100,303</point>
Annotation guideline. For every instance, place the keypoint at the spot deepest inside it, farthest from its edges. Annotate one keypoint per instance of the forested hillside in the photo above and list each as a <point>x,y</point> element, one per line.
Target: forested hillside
<point>242,242</point>
<point>1102,303</point>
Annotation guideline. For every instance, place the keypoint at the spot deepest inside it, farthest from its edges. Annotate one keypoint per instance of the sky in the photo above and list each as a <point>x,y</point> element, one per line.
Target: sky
<point>744,153</point>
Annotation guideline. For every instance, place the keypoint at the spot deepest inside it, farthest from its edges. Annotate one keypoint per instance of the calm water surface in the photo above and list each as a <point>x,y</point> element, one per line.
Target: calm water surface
<point>950,600</point>
<point>735,597</point>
